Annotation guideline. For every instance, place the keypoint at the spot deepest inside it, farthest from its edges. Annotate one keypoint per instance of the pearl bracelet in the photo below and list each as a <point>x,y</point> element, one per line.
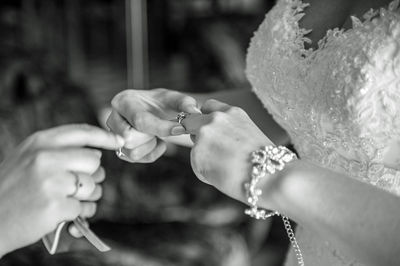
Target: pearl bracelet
<point>266,160</point>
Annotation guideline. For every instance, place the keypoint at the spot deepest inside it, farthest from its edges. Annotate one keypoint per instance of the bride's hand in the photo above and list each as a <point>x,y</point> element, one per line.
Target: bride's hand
<point>141,116</point>
<point>50,178</point>
<point>224,138</point>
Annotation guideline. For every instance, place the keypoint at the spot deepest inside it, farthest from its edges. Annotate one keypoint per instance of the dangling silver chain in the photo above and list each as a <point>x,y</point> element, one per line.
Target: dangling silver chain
<point>265,161</point>
<point>293,240</point>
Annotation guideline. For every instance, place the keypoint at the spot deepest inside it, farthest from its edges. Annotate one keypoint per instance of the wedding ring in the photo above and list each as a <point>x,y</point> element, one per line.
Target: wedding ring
<point>78,184</point>
<point>120,153</point>
<point>181,116</point>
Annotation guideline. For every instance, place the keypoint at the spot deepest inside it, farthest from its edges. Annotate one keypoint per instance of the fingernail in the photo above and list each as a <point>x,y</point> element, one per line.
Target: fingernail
<point>120,140</point>
<point>197,110</point>
<point>178,130</point>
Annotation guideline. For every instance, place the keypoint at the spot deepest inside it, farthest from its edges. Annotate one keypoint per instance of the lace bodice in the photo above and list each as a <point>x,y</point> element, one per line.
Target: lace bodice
<point>340,103</point>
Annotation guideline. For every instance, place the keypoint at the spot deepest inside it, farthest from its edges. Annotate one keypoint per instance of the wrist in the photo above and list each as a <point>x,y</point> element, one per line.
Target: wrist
<point>267,162</point>
<point>279,186</point>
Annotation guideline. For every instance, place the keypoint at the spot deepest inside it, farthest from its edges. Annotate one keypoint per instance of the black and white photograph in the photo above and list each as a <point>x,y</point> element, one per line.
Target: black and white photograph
<point>200,133</point>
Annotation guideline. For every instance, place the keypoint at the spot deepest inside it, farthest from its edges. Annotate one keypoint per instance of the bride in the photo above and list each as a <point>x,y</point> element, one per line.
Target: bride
<point>329,74</point>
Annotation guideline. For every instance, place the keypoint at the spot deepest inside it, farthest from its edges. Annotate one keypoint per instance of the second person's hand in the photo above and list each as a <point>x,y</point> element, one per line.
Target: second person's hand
<point>50,178</point>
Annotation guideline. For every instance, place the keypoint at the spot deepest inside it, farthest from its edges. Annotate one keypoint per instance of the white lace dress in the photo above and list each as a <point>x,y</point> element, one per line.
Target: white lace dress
<point>340,103</point>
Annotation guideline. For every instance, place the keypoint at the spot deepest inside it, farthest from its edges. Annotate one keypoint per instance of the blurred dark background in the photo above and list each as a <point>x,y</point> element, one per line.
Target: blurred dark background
<point>63,60</point>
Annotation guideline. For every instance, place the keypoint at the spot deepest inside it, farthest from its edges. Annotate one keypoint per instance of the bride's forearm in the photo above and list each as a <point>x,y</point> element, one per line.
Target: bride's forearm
<point>362,220</point>
<point>253,107</point>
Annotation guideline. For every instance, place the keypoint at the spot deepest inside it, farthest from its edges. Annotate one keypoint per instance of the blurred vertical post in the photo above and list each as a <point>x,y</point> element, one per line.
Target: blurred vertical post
<point>137,49</point>
<point>76,63</point>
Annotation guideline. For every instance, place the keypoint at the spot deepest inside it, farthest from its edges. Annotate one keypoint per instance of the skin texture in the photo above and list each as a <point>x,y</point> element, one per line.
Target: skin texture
<point>37,182</point>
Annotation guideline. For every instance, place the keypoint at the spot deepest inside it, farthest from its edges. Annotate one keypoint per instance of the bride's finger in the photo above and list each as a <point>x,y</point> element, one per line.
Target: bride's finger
<point>141,151</point>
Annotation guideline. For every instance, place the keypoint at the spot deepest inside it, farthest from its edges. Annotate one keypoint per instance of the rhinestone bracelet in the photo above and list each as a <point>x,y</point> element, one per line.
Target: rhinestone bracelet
<point>269,160</point>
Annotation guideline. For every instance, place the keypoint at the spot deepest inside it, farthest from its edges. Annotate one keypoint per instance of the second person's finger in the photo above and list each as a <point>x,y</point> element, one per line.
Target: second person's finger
<point>78,135</point>
<point>85,186</point>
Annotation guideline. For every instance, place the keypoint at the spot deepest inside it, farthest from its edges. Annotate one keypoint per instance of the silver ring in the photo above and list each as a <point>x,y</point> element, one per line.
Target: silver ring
<point>180,116</point>
<point>120,153</point>
<point>78,184</point>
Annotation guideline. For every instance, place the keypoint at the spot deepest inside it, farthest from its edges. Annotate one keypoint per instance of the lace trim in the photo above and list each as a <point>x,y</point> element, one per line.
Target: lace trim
<point>298,7</point>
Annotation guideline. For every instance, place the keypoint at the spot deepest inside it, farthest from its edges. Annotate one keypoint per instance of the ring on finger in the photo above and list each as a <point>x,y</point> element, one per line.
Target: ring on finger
<point>181,116</point>
<point>120,153</point>
<point>78,184</point>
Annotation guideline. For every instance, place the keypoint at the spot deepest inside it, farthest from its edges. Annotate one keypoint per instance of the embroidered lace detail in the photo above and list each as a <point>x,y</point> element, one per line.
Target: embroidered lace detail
<point>340,103</point>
